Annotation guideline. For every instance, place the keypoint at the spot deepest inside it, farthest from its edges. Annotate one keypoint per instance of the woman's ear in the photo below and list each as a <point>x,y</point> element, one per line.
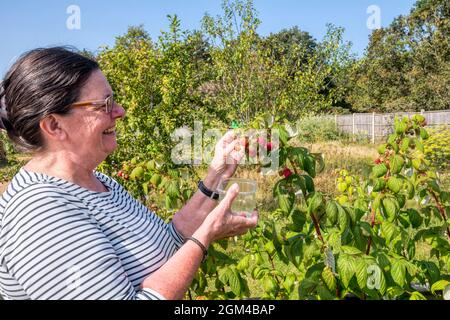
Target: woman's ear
<point>52,128</point>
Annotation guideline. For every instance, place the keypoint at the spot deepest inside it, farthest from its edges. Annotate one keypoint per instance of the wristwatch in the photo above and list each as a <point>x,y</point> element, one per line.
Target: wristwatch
<point>209,193</point>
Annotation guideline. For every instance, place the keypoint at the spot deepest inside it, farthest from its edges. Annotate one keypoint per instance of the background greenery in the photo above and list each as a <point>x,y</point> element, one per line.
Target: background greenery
<point>226,73</point>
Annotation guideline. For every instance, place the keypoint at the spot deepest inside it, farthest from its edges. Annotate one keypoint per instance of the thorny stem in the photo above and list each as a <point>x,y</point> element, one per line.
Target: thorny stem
<point>316,226</point>
<point>440,208</point>
<point>372,224</point>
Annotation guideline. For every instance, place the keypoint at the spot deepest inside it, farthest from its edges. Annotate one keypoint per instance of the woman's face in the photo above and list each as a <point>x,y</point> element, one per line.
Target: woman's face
<point>91,131</point>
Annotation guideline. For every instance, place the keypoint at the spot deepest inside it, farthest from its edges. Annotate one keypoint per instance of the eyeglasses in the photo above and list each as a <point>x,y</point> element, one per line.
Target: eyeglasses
<point>108,104</point>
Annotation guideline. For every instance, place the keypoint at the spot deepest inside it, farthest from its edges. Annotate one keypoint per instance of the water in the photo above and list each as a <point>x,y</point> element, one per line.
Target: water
<point>245,201</point>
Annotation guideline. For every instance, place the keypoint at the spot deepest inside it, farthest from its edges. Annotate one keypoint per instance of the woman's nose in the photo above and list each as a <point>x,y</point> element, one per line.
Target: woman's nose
<point>118,111</point>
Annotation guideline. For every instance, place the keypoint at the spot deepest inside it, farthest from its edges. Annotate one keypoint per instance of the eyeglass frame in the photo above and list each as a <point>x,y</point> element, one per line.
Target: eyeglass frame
<point>108,103</point>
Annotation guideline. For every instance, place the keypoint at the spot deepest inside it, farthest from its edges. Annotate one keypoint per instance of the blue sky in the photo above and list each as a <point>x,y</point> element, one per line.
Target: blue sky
<point>26,24</point>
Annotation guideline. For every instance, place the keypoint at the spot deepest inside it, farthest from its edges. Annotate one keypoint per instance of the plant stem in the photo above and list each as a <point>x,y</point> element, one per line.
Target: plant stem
<point>372,224</point>
<point>316,226</point>
<point>441,209</point>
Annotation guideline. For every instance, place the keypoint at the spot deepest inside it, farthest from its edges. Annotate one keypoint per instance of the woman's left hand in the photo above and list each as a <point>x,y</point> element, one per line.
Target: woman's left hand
<point>227,154</point>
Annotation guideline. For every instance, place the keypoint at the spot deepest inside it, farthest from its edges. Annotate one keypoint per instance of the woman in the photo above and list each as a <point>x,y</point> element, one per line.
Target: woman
<point>69,232</point>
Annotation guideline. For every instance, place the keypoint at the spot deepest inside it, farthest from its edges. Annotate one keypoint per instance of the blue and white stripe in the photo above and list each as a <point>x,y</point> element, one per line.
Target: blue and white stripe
<point>61,241</point>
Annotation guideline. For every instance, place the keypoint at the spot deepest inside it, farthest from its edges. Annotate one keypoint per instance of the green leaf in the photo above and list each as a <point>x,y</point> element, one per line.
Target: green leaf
<point>314,201</point>
<point>400,127</point>
<point>309,183</point>
<point>332,212</point>
<point>155,180</point>
<point>173,189</point>
<point>396,164</point>
<point>379,170</point>
<point>395,184</point>
<point>389,231</point>
<point>270,285</point>
<point>351,250</point>
<point>329,278</point>
<point>379,184</point>
<point>137,173</point>
<point>324,293</point>
<point>269,247</point>
<point>404,146</point>
<point>244,263</point>
<point>361,273</point>
<point>289,282</point>
<point>414,218</point>
<point>346,268</point>
<point>145,187</point>
<point>234,282</point>
<point>310,165</point>
<point>398,272</point>
<point>409,189</point>
<point>298,219</point>
<point>286,202</point>
<point>439,285</point>
<point>382,149</point>
<point>417,296</point>
<point>424,134</point>
<point>390,208</point>
<point>343,218</point>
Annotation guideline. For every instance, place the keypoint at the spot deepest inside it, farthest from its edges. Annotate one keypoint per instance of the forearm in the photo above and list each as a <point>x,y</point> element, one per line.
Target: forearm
<point>173,279</point>
<point>191,216</point>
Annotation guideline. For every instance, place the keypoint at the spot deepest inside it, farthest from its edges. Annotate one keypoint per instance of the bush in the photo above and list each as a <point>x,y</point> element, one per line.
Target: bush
<point>319,128</point>
<point>437,147</point>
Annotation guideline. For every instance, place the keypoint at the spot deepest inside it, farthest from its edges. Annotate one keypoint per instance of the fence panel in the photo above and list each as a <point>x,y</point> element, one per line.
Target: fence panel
<point>377,126</point>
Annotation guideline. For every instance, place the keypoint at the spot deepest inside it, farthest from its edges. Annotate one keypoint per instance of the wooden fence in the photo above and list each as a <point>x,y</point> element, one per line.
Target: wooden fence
<point>377,126</point>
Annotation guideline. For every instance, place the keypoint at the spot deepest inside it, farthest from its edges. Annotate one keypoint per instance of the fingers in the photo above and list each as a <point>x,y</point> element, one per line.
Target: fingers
<point>231,194</point>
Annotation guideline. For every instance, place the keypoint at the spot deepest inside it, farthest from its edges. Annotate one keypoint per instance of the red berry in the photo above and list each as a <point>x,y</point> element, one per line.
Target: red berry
<point>269,146</point>
<point>287,172</point>
<point>120,173</point>
<point>378,161</point>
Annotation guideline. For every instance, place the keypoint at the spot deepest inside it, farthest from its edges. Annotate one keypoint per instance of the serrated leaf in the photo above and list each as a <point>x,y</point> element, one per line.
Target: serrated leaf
<point>298,219</point>
<point>361,273</point>
<point>310,165</point>
<point>350,250</point>
<point>286,202</point>
<point>173,189</point>
<point>389,231</point>
<point>155,180</point>
<point>379,170</point>
<point>390,208</point>
<point>404,146</point>
<point>398,272</point>
<point>439,285</point>
<point>417,296</point>
<point>396,164</point>
<point>395,184</point>
<point>234,282</point>
<point>346,268</point>
<point>329,278</point>
<point>379,184</point>
<point>332,212</point>
<point>244,263</point>
<point>314,202</point>
<point>289,282</point>
<point>343,218</point>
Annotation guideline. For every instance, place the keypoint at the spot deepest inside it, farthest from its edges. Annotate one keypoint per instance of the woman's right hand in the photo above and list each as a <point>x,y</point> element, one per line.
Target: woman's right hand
<point>222,223</point>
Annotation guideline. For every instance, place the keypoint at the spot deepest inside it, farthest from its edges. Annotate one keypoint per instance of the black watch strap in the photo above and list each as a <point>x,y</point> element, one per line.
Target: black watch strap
<point>209,193</point>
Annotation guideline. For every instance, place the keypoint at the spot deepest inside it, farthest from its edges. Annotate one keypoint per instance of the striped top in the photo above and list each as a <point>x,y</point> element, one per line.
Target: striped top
<point>61,241</point>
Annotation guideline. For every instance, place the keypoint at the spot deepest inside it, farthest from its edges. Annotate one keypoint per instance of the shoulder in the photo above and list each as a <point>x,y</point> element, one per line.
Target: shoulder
<point>110,182</point>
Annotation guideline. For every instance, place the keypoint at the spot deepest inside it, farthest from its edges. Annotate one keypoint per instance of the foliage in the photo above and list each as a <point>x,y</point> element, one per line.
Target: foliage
<point>319,128</point>
<point>406,65</point>
<point>364,242</point>
<point>437,147</point>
